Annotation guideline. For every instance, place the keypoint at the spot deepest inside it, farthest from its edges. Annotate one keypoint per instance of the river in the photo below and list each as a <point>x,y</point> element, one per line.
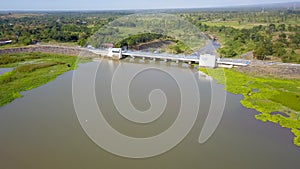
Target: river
<point>5,70</point>
<point>41,130</point>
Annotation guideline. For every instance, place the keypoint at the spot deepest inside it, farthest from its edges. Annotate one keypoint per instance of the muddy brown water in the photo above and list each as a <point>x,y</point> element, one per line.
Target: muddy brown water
<point>41,130</point>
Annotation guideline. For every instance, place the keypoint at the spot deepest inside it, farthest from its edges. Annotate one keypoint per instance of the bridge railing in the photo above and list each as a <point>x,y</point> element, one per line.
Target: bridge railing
<point>162,54</point>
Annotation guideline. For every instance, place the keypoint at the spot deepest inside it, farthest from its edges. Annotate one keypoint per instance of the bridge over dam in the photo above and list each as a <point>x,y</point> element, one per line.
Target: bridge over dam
<point>205,60</point>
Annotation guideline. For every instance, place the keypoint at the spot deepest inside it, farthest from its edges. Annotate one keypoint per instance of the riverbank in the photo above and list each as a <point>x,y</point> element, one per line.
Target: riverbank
<point>61,50</point>
<point>277,99</point>
<point>31,70</point>
<point>271,69</point>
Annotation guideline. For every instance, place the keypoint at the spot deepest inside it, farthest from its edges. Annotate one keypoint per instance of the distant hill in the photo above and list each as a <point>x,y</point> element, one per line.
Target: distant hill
<point>251,7</point>
<point>282,5</point>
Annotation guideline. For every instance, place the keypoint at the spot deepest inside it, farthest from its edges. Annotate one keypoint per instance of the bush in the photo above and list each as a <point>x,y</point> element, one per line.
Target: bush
<point>6,59</point>
<point>33,67</point>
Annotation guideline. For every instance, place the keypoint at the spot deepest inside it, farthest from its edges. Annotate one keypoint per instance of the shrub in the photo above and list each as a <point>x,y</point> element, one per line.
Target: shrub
<point>33,67</point>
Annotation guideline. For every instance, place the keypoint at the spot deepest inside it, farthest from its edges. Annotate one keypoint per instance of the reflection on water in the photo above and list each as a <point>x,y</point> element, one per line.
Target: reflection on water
<point>4,70</point>
<point>41,129</point>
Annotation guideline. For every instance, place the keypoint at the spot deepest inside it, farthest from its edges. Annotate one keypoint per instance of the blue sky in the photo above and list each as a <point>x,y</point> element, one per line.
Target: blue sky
<point>121,4</point>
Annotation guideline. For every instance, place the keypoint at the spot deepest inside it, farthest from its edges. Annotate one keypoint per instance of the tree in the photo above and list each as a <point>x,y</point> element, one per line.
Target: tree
<point>260,53</point>
<point>26,40</point>
<point>279,49</point>
<point>281,27</point>
<point>176,49</point>
<point>271,28</point>
<point>282,38</point>
<point>227,52</point>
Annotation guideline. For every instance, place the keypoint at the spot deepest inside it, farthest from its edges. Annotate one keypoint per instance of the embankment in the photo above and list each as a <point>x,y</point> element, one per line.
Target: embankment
<point>71,51</point>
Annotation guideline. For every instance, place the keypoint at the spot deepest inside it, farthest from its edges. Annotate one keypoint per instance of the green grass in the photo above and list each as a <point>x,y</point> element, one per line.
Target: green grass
<point>291,100</point>
<point>266,95</point>
<point>31,70</point>
<point>11,46</point>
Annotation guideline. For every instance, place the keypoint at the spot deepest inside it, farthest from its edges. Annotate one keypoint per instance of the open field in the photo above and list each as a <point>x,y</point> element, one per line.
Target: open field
<point>234,24</point>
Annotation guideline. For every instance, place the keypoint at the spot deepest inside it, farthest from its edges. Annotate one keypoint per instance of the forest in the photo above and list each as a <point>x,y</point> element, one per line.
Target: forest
<point>266,34</point>
<point>76,28</point>
<point>262,34</point>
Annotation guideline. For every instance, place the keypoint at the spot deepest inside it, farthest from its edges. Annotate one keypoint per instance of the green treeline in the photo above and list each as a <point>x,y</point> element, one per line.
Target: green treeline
<point>26,29</point>
<point>134,40</point>
<point>265,33</point>
<point>264,41</point>
<point>139,38</point>
<point>273,33</point>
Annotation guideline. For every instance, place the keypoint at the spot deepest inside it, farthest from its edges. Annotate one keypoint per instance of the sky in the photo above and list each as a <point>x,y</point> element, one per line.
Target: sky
<point>122,4</point>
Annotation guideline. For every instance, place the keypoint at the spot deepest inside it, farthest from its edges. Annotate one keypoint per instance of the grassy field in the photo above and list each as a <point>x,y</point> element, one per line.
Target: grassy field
<point>30,71</point>
<point>269,96</point>
<point>234,24</point>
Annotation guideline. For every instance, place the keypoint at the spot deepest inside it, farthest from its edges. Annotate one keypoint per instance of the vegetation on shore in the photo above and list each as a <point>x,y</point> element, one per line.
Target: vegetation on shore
<point>61,27</point>
<point>277,100</point>
<point>30,71</point>
<point>265,33</point>
<point>273,33</point>
<point>134,40</point>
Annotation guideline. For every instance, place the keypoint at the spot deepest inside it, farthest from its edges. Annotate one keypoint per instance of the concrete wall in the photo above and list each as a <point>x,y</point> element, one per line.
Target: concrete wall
<point>115,53</point>
<point>207,60</point>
